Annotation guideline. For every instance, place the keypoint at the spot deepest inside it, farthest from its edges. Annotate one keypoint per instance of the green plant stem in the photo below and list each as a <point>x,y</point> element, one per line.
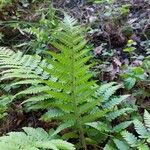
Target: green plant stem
<point>80,128</point>
<point>74,100</point>
<point>83,142</point>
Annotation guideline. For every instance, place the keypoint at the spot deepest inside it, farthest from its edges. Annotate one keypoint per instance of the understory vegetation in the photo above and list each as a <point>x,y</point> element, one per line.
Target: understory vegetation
<point>74,75</point>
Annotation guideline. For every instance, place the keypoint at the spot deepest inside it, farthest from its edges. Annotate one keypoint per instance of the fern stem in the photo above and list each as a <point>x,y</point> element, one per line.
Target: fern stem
<point>79,126</point>
<point>74,100</point>
<point>81,133</point>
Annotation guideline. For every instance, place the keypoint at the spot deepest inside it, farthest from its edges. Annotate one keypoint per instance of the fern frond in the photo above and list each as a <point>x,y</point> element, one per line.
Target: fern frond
<point>147,119</point>
<point>32,139</point>
<point>16,64</point>
<point>73,88</point>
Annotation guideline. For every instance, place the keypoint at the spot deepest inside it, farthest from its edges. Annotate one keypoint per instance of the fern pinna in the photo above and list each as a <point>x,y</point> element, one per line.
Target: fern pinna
<point>62,84</point>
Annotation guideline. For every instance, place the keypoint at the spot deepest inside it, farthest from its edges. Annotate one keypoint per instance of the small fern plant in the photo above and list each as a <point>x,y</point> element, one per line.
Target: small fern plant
<point>62,84</point>
<point>116,112</point>
<point>33,139</point>
<point>142,142</point>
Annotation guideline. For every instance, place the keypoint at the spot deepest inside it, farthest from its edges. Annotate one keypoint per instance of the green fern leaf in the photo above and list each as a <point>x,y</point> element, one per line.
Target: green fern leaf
<point>62,145</point>
<point>87,107</point>
<point>115,101</point>
<point>104,87</point>
<point>18,75</point>
<point>143,147</point>
<point>110,146</point>
<point>38,98</point>
<point>130,138</point>
<point>32,139</point>
<point>33,90</point>
<point>121,145</point>
<point>52,113</point>
<point>113,115</point>
<point>122,126</point>
<point>94,115</point>
<point>100,126</point>
<point>147,119</point>
<point>24,82</point>
<point>63,126</point>
<point>110,91</point>
<point>140,129</point>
